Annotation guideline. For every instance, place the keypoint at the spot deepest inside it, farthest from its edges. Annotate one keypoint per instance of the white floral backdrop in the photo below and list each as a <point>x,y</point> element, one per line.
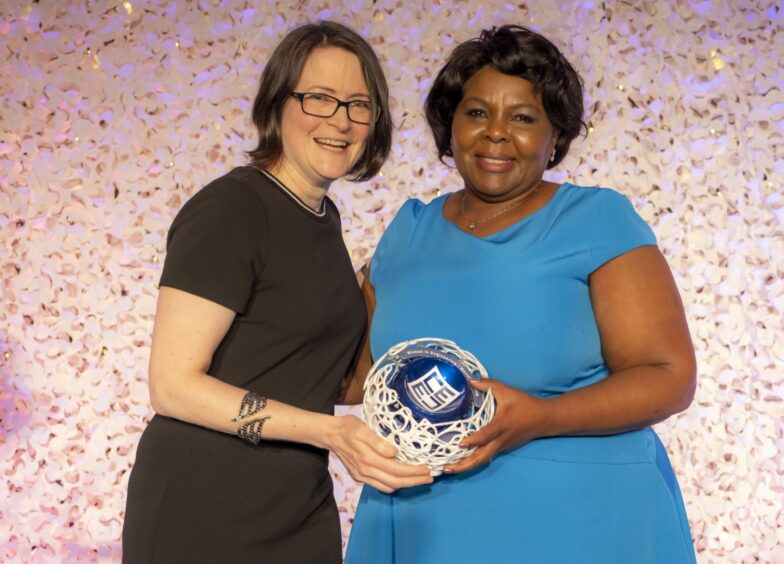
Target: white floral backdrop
<point>113,113</point>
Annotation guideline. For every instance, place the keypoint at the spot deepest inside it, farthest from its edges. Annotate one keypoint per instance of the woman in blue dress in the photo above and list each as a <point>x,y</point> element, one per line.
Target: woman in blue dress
<point>562,293</point>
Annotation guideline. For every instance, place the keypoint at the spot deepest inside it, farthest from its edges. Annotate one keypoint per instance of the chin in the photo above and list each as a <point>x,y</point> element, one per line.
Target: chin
<point>335,172</point>
<point>493,191</point>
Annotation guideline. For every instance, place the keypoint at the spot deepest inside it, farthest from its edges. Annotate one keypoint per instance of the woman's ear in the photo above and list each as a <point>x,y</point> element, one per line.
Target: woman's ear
<point>553,145</point>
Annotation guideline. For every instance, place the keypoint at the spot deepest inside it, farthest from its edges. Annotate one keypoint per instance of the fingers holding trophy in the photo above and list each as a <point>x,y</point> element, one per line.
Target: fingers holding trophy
<point>418,396</point>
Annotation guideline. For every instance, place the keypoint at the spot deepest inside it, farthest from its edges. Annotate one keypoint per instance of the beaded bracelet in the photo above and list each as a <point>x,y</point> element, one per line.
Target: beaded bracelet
<point>252,403</point>
<point>251,431</point>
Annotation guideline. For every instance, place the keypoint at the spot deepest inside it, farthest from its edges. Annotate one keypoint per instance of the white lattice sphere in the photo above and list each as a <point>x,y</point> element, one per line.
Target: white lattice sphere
<point>417,396</point>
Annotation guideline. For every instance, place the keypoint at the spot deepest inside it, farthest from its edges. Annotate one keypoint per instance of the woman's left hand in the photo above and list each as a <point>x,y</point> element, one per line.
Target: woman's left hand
<point>519,418</point>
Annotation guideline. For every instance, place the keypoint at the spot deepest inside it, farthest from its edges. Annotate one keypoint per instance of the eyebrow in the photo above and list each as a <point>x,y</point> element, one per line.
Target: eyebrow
<point>333,91</point>
<point>514,106</point>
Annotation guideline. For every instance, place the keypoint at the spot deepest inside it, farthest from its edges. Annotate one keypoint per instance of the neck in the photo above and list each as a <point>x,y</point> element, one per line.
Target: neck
<point>311,194</point>
<point>483,204</point>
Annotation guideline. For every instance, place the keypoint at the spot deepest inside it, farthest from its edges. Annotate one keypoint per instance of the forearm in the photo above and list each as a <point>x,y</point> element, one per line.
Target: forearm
<point>203,400</point>
<point>628,399</point>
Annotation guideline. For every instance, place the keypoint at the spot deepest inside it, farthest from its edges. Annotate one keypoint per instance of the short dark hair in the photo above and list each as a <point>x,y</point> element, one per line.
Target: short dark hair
<point>516,51</point>
<point>280,78</point>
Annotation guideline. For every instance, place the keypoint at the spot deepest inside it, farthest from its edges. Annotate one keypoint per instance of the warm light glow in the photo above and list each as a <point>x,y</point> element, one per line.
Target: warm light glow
<point>718,64</point>
<point>128,7</point>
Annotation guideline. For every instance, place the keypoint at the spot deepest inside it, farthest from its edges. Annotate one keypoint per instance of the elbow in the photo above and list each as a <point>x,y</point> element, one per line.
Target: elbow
<point>687,377</point>
<point>159,397</point>
<point>686,397</point>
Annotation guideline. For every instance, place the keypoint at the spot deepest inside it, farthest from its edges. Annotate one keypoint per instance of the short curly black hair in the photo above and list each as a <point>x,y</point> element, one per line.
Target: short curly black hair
<point>516,51</point>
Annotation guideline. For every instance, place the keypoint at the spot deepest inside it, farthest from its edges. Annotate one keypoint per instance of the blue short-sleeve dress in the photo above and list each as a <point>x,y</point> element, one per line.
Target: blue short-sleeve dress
<point>519,301</point>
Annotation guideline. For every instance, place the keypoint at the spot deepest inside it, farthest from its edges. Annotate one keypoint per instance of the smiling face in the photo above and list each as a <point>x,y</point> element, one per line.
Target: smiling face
<point>318,150</point>
<point>501,136</point>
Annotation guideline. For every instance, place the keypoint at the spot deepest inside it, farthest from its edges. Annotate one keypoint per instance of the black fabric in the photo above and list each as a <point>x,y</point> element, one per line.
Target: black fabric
<point>197,495</point>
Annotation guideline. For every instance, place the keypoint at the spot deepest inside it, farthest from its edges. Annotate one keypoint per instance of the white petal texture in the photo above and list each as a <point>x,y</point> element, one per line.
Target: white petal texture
<point>113,113</point>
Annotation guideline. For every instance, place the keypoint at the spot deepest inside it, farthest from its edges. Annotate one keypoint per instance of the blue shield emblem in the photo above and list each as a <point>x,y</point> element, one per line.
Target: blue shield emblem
<point>433,386</point>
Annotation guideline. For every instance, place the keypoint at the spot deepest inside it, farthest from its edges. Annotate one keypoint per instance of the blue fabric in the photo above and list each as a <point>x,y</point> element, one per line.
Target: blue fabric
<point>519,301</point>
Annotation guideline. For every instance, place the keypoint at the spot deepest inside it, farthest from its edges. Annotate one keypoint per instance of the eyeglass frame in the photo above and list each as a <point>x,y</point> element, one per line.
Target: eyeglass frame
<point>341,103</point>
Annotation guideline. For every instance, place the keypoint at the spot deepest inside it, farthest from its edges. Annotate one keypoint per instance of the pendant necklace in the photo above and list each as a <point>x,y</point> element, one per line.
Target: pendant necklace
<point>472,223</point>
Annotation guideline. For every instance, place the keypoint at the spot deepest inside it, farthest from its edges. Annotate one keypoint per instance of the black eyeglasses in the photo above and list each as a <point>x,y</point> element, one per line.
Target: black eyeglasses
<point>324,105</point>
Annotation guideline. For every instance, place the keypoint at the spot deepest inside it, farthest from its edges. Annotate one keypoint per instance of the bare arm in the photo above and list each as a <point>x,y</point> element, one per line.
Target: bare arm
<point>646,345</point>
<point>187,331</point>
<point>648,351</point>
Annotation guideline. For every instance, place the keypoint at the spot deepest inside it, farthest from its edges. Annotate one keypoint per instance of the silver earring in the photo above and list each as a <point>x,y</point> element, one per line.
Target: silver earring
<point>552,156</point>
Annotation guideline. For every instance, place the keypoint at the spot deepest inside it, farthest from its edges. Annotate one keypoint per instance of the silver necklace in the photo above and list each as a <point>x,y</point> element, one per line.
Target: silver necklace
<point>472,223</point>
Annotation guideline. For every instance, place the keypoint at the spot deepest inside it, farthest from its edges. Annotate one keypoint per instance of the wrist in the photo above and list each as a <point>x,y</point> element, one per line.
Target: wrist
<point>325,429</point>
<point>550,417</point>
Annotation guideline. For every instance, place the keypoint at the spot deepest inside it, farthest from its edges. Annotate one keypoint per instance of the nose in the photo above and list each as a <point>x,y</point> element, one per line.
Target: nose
<point>496,130</point>
<point>340,119</point>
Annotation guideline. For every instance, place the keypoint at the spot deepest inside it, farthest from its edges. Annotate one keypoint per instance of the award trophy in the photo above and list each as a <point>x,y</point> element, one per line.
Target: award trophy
<point>417,396</point>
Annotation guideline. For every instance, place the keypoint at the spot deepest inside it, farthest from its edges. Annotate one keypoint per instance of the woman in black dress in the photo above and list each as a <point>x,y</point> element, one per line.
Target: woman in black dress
<point>259,319</point>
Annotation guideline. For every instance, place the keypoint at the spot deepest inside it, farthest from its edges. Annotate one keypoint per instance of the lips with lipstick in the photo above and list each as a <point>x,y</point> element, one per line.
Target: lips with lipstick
<point>494,162</point>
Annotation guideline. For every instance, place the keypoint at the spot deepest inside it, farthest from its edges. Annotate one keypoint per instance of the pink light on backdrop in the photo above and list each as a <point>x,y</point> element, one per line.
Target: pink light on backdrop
<point>113,113</point>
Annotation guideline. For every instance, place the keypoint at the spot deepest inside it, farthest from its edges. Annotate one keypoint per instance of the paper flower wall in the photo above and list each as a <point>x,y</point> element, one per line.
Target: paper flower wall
<point>113,113</point>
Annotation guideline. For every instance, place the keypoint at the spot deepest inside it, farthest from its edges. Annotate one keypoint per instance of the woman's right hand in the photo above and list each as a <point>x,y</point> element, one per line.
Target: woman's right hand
<point>370,459</point>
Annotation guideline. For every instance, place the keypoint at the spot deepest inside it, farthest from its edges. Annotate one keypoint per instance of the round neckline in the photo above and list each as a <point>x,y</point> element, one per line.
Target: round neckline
<point>320,216</point>
<point>531,216</point>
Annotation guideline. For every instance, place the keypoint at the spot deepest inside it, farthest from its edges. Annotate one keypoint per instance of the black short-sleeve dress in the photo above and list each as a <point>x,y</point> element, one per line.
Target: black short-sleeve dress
<point>197,495</point>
